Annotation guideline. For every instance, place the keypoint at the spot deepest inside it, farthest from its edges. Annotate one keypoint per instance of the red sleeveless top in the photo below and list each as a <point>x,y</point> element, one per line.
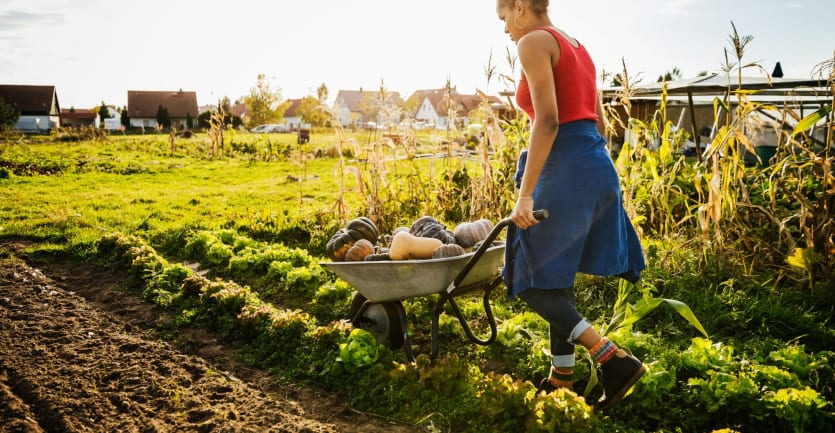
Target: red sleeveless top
<point>574,78</point>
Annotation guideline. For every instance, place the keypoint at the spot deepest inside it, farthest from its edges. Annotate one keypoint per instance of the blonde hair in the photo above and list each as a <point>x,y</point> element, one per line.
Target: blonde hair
<point>538,7</point>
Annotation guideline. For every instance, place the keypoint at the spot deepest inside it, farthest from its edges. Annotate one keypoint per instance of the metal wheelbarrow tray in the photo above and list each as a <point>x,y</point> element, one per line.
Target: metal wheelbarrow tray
<point>397,280</point>
<point>383,286</point>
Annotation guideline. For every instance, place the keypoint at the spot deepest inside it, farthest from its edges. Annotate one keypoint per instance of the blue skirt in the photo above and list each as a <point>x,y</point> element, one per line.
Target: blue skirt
<point>587,231</point>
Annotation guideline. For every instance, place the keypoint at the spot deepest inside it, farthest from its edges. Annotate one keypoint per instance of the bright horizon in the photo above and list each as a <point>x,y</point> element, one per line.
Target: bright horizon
<point>97,50</point>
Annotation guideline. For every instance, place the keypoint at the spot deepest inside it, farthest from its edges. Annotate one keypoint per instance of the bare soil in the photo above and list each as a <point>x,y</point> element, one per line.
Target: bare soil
<point>79,354</point>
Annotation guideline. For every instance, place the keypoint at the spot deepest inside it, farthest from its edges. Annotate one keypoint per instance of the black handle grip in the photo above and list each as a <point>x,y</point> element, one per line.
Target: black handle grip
<point>541,214</point>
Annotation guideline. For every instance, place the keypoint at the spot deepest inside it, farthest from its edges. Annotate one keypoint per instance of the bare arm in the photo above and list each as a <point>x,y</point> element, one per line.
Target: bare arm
<point>602,121</point>
<point>538,52</point>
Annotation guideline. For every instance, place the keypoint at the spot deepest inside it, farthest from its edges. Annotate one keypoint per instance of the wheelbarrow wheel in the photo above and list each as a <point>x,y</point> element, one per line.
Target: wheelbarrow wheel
<point>381,319</point>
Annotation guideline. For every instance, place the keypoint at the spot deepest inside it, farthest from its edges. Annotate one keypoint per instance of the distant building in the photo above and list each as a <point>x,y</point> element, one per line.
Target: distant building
<point>78,117</point>
<point>439,107</point>
<point>37,105</point>
<point>358,107</point>
<point>143,106</point>
<point>241,110</point>
<point>291,116</point>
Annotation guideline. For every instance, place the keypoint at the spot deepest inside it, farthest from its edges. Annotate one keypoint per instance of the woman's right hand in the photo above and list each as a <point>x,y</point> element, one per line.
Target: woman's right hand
<point>522,214</point>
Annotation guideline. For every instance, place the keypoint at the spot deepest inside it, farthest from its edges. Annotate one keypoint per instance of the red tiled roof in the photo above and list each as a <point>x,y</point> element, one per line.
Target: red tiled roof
<point>146,103</point>
<point>79,113</point>
<point>30,100</point>
<point>463,103</point>
<point>240,110</point>
<point>291,109</point>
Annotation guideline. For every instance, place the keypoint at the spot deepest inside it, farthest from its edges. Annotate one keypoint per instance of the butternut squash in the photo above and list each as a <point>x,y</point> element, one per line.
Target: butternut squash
<point>405,246</point>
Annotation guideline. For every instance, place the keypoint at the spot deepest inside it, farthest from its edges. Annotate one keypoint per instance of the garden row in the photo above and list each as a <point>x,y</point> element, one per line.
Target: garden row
<point>287,318</point>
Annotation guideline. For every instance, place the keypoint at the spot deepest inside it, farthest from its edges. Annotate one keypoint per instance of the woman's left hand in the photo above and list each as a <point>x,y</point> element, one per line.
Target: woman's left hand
<point>522,214</point>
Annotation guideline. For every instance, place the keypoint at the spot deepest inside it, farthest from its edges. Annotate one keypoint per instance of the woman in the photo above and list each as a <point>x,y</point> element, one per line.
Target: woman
<point>568,171</point>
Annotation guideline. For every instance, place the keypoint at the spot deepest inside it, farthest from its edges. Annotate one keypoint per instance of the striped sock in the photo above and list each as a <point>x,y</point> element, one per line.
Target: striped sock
<point>603,350</point>
<point>561,377</point>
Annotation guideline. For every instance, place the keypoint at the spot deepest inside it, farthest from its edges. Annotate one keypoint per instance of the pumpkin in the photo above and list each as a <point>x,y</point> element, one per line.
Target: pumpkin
<point>448,250</point>
<point>429,227</point>
<point>470,233</point>
<point>339,243</point>
<point>377,257</point>
<point>365,227</point>
<point>405,246</point>
<point>344,238</point>
<point>359,250</point>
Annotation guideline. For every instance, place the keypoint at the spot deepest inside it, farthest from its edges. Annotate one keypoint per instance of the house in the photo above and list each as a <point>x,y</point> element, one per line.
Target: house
<point>143,106</point>
<point>37,105</point>
<point>114,121</point>
<point>440,107</point>
<point>241,110</point>
<point>78,118</point>
<point>359,107</point>
<point>292,118</point>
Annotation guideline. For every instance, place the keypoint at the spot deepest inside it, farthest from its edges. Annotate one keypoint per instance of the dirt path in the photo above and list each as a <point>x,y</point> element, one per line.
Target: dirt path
<point>77,355</point>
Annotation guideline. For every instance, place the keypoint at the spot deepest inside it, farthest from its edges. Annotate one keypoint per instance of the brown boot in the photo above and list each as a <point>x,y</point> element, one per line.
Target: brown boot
<point>619,374</point>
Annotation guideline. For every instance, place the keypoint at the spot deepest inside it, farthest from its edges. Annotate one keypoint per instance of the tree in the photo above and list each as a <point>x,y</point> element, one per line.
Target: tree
<point>104,113</point>
<point>310,110</point>
<point>163,119</point>
<point>189,121</point>
<point>322,93</point>
<point>223,115</point>
<point>262,102</point>
<point>8,115</point>
<point>670,75</point>
<point>203,120</point>
<point>125,120</point>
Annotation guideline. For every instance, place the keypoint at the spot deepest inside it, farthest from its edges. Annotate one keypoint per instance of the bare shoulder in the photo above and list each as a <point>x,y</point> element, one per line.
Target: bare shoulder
<point>536,43</point>
<point>539,37</point>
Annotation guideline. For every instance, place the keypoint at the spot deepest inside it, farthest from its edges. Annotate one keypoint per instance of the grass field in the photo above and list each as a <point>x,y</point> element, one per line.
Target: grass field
<point>766,362</point>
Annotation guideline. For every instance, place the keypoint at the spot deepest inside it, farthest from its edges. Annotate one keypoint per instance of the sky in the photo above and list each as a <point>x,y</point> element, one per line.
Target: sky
<point>94,51</point>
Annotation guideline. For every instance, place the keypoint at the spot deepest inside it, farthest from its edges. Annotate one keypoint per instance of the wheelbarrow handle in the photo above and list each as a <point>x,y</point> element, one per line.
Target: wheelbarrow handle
<point>540,215</point>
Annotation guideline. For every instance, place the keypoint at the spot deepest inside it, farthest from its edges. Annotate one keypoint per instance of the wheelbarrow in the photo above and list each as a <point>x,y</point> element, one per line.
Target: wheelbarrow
<point>382,286</point>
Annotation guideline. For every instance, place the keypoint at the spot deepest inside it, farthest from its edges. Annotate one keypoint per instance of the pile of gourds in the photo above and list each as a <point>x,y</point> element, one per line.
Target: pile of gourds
<point>426,238</point>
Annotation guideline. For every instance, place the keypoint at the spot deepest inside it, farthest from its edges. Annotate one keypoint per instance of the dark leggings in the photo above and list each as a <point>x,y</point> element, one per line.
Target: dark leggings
<point>557,307</point>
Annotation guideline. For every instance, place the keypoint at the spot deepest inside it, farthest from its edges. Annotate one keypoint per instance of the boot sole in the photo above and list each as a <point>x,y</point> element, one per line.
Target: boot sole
<point>609,403</point>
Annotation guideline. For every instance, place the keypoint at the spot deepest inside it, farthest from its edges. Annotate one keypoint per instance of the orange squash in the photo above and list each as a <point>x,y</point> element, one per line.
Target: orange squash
<point>359,250</point>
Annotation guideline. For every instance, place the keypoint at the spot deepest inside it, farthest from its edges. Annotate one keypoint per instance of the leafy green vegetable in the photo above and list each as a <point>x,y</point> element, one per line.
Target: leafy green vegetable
<point>361,350</point>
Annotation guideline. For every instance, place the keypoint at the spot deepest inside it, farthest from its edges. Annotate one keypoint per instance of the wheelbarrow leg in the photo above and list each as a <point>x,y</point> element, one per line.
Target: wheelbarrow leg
<point>436,318</point>
<point>407,344</point>
<point>491,320</point>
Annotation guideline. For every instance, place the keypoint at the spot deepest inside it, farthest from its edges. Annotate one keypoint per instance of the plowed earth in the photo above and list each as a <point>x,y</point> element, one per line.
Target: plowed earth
<point>79,354</point>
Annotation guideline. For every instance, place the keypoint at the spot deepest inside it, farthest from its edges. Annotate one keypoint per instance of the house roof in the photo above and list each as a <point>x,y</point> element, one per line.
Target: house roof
<point>291,109</point>
<point>714,84</point>
<point>79,113</point>
<point>354,99</point>
<point>463,103</point>
<point>30,100</point>
<point>145,103</point>
<point>240,110</point>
